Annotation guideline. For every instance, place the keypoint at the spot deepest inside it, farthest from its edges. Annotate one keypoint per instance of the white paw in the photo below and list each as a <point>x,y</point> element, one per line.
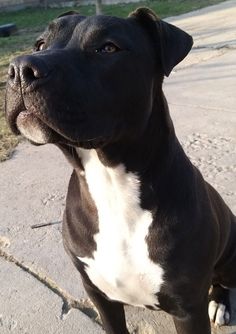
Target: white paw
<point>218,313</point>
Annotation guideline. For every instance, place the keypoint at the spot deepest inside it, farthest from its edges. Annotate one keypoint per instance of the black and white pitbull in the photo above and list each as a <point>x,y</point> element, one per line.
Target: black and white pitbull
<point>141,224</point>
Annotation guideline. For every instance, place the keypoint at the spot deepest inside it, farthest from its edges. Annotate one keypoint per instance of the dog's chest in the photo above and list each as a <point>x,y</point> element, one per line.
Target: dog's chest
<point>120,266</point>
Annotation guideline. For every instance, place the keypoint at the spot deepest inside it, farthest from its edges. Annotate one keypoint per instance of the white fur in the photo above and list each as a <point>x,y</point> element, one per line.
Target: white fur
<point>220,319</point>
<point>218,314</point>
<point>32,130</point>
<point>33,133</point>
<point>120,266</point>
<point>212,308</point>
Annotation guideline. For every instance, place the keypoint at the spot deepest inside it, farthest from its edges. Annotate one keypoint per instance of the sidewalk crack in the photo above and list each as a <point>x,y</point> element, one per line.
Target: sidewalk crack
<point>69,302</point>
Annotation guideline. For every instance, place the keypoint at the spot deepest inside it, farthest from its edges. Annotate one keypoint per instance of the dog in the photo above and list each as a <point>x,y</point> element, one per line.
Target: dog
<point>141,225</point>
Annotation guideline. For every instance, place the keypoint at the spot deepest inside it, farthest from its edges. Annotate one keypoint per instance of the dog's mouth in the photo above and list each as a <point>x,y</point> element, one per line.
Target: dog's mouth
<point>34,129</point>
<point>40,131</point>
<point>43,120</point>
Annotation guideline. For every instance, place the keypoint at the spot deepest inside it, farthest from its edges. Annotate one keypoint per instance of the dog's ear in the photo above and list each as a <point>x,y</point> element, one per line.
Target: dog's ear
<point>70,12</point>
<point>173,44</point>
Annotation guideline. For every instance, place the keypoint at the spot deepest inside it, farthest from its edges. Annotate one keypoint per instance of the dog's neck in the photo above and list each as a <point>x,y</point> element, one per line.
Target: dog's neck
<point>153,146</point>
<point>155,159</point>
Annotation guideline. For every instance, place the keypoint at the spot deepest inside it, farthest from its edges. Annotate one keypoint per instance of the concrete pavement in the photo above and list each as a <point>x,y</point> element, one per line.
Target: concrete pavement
<point>40,291</point>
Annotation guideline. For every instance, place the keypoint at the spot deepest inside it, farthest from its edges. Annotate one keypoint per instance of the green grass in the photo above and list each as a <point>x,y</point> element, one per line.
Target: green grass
<point>163,8</point>
<point>32,18</point>
<point>30,22</point>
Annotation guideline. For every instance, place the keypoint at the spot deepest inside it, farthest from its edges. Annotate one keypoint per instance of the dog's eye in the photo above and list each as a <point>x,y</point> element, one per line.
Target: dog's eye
<point>39,45</point>
<point>108,48</point>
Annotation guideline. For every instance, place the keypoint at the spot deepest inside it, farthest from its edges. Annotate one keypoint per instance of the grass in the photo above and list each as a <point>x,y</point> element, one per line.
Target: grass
<point>31,22</point>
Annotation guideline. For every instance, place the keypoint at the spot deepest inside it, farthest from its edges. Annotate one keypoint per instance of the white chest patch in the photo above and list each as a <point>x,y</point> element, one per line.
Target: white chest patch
<point>120,266</point>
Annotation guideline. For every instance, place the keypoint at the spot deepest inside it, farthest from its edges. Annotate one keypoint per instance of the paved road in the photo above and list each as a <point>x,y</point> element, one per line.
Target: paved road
<point>40,291</point>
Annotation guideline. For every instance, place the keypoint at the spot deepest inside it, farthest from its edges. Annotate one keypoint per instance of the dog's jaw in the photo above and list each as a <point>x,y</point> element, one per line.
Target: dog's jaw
<point>33,128</point>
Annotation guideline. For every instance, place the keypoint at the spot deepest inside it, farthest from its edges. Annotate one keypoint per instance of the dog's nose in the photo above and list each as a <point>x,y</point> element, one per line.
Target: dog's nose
<point>27,71</point>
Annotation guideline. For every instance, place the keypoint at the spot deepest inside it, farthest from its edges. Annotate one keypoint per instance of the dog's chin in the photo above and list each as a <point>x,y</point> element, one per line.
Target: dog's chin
<point>31,127</point>
<point>40,133</point>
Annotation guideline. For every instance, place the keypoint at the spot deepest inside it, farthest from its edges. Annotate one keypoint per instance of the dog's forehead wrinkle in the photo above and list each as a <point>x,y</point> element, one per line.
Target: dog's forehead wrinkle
<point>99,27</point>
<point>62,28</point>
<point>43,35</point>
<point>68,20</point>
<point>103,21</point>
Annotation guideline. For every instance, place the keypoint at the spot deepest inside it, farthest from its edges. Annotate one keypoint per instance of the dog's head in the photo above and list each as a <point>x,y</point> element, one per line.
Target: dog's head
<point>92,80</point>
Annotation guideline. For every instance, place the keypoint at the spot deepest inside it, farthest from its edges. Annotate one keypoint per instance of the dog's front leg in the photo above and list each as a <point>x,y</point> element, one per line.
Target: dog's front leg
<point>112,313</point>
<point>196,323</point>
